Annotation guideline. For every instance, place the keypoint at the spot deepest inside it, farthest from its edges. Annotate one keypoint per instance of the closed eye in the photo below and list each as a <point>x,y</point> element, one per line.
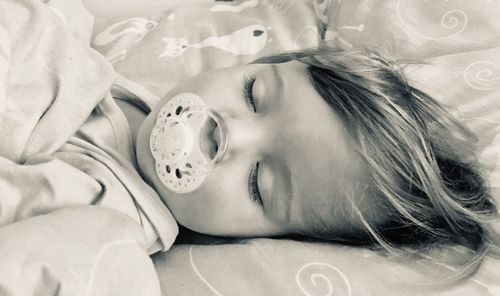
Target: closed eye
<point>253,186</point>
<point>248,83</point>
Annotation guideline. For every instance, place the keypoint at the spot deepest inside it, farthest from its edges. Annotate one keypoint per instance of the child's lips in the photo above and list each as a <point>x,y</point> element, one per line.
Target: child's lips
<point>210,138</point>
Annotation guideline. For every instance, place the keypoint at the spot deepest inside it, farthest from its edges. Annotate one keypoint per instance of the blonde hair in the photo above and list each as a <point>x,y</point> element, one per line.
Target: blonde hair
<point>421,160</point>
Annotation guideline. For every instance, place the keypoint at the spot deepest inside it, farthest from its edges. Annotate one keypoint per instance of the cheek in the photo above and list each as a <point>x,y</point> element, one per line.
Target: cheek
<point>216,201</point>
<point>222,206</point>
<point>222,91</point>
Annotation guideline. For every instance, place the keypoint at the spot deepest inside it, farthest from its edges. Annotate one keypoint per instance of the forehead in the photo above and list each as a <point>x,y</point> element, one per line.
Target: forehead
<point>327,173</point>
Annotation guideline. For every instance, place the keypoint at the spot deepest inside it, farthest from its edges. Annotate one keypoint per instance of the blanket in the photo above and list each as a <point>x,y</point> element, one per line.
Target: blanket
<point>66,149</point>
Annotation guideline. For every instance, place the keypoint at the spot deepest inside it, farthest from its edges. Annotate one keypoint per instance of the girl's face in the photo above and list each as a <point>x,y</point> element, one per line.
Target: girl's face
<point>308,172</point>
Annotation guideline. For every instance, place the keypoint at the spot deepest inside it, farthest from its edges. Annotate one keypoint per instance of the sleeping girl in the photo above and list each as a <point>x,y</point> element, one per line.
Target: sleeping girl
<point>331,144</point>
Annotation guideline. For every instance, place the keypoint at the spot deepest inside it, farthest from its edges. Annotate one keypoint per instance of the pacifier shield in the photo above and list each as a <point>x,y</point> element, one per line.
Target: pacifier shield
<point>179,161</point>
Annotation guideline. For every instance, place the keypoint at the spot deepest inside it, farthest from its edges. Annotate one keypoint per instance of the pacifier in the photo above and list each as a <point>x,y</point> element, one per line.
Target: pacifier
<point>178,142</point>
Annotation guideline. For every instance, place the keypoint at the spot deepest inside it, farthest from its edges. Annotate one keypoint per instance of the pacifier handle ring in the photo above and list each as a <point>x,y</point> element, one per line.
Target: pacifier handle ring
<point>224,137</point>
<point>191,111</point>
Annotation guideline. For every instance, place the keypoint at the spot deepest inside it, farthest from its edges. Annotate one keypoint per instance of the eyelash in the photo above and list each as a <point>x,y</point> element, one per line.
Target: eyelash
<point>248,91</point>
<point>253,185</point>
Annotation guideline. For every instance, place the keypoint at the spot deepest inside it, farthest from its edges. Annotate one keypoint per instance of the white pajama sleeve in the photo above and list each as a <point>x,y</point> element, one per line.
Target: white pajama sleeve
<point>84,250</point>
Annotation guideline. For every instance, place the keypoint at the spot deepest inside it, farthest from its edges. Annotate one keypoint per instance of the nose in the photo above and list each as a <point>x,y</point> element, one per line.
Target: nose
<point>231,135</point>
<point>246,135</point>
<point>237,135</point>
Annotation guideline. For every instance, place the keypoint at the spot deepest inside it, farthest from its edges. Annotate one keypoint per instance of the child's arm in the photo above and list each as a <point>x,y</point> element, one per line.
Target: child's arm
<point>123,7</point>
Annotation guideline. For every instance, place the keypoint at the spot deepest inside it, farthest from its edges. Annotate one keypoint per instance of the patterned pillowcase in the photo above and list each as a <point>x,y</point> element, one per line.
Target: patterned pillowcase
<point>160,49</point>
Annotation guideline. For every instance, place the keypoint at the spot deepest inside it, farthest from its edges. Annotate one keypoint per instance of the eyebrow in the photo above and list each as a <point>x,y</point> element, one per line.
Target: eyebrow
<point>288,192</point>
<point>281,192</point>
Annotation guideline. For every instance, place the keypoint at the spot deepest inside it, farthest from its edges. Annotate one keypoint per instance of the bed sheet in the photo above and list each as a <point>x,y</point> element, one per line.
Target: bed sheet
<point>459,41</point>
